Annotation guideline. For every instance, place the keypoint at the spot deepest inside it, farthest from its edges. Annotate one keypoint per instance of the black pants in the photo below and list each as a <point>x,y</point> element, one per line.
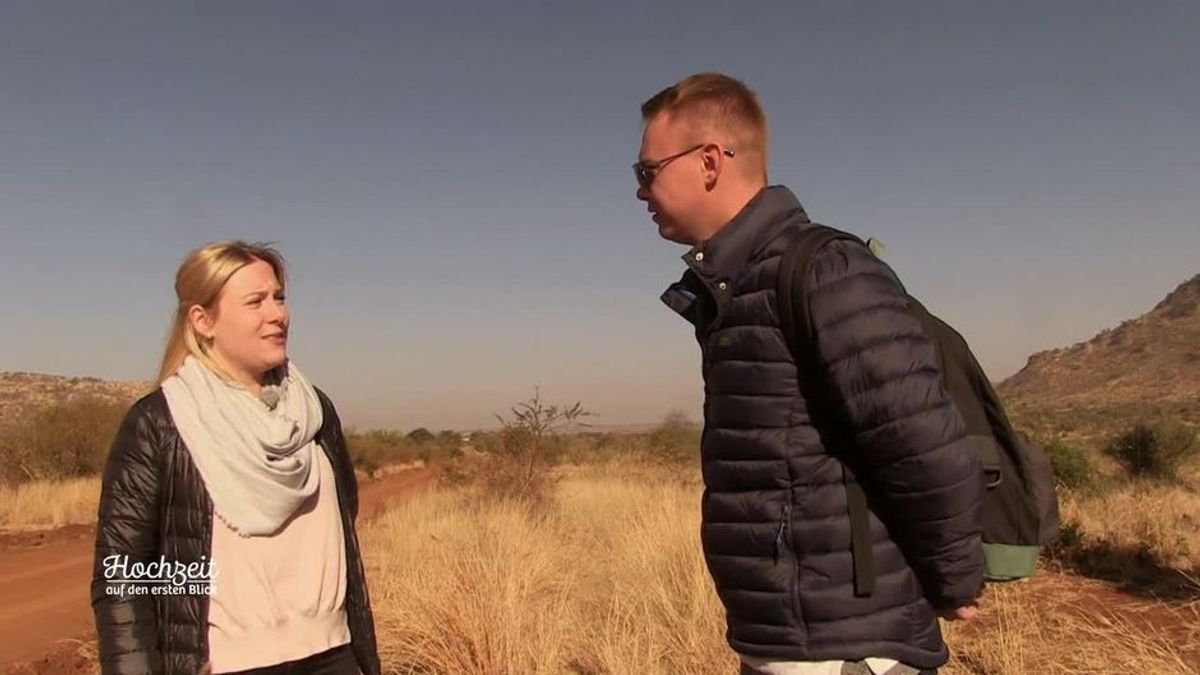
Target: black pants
<point>855,668</point>
<point>336,661</point>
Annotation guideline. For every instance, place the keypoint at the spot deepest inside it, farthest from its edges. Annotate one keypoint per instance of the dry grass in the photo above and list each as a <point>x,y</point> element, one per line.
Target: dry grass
<point>1164,518</point>
<point>609,579</point>
<point>469,590</point>
<point>46,504</point>
<point>1066,624</point>
<point>1153,522</point>
<point>647,604</point>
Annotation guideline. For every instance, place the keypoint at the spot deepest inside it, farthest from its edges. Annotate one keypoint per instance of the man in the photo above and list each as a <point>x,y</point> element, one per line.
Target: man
<point>776,530</point>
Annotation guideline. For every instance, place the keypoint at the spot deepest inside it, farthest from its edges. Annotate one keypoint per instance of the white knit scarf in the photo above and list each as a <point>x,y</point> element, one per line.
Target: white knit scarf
<point>259,464</point>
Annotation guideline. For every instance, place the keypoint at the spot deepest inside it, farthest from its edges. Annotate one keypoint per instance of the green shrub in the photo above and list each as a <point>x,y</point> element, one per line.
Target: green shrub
<point>420,435</point>
<point>61,441</point>
<point>372,450</point>
<point>1072,465</point>
<point>676,440</point>
<point>1155,450</point>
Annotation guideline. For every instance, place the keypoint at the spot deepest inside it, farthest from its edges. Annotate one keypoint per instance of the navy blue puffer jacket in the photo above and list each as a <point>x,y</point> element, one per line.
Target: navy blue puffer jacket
<point>776,531</point>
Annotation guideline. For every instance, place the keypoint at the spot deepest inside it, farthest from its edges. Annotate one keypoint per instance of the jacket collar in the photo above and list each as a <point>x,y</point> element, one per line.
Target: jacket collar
<point>724,256</point>
<point>712,264</point>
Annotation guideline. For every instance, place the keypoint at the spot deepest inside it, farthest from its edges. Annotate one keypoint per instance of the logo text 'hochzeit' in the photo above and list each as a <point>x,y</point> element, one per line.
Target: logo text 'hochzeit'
<point>159,577</point>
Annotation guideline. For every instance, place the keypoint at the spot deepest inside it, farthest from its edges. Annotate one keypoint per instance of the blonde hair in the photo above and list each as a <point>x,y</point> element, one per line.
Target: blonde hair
<point>199,281</point>
<point>712,103</point>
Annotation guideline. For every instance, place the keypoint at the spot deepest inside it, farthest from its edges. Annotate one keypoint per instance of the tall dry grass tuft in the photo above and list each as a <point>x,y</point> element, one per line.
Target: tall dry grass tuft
<point>648,599</point>
<point>606,579</point>
<point>1163,521</point>
<point>463,589</point>
<point>49,503</point>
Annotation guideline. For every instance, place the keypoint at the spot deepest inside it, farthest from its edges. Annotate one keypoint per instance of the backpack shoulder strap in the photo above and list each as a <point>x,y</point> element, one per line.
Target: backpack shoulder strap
<point>796,322</point>
<point>794,316</point>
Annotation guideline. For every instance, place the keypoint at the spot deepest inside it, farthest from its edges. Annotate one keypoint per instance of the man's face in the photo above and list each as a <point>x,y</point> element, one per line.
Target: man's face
<point>675,194</point>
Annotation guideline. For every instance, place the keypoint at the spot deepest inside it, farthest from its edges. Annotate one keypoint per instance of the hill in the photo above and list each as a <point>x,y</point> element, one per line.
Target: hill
<point>1147,367</point>
<point>22,394</point>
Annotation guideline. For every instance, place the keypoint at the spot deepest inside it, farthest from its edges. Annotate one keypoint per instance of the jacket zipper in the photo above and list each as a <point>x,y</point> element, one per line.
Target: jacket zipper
<point>782,543</point>
<point>781,534</point>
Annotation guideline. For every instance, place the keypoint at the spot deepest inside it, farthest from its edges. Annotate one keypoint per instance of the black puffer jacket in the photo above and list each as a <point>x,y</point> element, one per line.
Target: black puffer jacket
<point>154,504</point>
<point>776,531</point>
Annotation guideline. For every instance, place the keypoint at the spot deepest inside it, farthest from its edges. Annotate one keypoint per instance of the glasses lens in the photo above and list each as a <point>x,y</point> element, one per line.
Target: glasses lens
<point>644,174</point>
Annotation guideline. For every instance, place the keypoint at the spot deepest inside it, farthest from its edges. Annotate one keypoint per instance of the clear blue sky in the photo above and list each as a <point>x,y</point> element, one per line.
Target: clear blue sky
<point>450,180</point>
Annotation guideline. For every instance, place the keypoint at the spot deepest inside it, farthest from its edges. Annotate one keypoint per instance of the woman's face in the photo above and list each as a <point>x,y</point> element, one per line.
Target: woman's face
<point>248,330</point>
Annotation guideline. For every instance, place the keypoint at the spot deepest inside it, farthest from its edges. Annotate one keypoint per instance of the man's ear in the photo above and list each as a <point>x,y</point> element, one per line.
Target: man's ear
<point>201,321</point>
<point>712,163</point>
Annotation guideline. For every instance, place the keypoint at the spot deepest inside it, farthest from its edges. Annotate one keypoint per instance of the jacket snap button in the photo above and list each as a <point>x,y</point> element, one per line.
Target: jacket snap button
<point>699,256</point>
<point>722,285</point>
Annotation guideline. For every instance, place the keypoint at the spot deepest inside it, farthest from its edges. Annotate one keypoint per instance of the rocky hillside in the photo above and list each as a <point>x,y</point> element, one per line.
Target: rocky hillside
<point>1155,357</point>
<point>1147,367</point>
<point>23,393</point>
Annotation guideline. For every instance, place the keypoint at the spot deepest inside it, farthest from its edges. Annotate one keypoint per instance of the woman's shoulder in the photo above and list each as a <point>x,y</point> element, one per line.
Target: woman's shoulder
<point>151,409</point>
<point>148,426</point>
<point>327,408</point>
<point>152,402</point>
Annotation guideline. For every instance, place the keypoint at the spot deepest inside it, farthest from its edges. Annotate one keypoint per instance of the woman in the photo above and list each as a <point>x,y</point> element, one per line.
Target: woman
<point>226,538</point>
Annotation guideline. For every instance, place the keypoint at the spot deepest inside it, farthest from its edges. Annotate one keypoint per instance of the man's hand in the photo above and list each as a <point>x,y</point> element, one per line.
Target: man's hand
<point>964,613</point>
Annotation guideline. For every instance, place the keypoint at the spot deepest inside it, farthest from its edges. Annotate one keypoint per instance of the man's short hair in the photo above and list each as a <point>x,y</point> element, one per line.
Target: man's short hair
<point>715,104</point>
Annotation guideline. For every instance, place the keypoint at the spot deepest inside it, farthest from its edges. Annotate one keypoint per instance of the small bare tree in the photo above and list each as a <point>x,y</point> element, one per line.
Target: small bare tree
<point>526,451</point>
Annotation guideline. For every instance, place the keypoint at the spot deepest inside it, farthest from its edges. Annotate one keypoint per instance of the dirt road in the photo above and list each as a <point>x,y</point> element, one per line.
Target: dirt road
<point>45,580</point>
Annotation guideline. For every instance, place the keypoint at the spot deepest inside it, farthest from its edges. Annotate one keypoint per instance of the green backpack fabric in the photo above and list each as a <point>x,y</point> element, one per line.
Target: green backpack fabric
<point>1020,508</point>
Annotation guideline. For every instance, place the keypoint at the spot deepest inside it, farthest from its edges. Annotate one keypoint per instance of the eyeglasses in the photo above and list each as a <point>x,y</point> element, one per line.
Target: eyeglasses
<point>645,171</point>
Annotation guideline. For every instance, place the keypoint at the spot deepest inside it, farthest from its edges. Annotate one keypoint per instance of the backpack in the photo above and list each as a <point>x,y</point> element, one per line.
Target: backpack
<point>1020,507</point>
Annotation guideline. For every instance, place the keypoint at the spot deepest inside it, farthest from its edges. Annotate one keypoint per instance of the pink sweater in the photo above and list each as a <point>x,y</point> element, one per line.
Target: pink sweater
<point>280,598</point>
